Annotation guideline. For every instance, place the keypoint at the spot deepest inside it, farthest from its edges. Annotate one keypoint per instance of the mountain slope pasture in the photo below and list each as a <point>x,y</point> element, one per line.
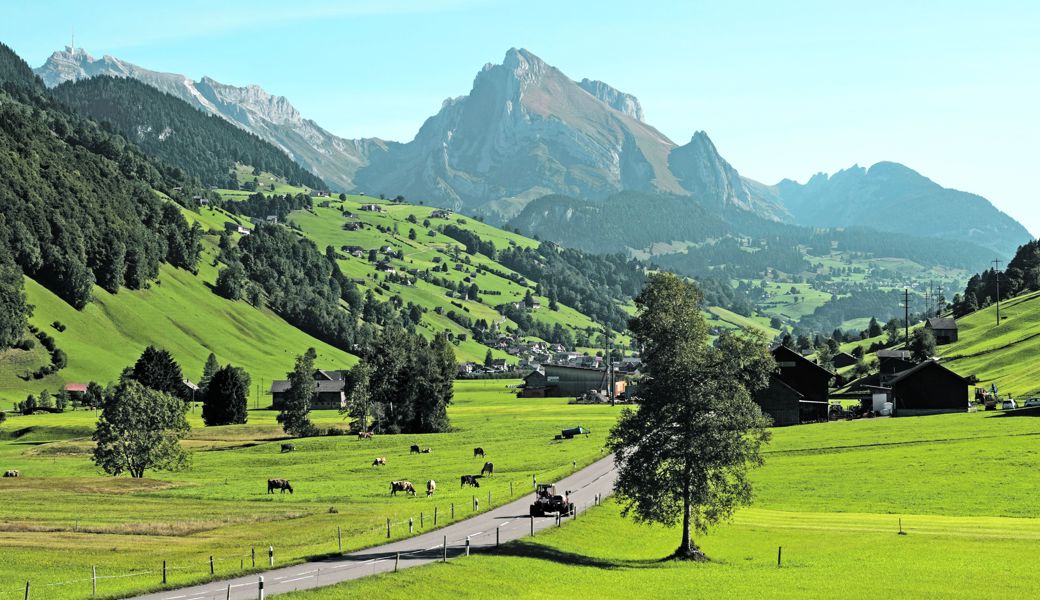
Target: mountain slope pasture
<point>832,496</point>
<point>220,507</point>
<point>1005,355</point>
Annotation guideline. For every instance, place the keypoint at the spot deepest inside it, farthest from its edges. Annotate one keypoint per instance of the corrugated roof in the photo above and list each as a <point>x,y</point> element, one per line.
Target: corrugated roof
<point>928,363</point>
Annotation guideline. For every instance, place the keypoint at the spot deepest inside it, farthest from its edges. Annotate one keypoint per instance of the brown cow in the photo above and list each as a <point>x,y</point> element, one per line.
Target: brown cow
<point>414,449</point>
<point>469,480</point>
<point>365,435</point>
<point>278,484</point>
<point>489,469</point>
<point>13,473</point>
<point>478,452</point>
<point>431,487</point>
<point>379,462</point>
<point>401,486</point>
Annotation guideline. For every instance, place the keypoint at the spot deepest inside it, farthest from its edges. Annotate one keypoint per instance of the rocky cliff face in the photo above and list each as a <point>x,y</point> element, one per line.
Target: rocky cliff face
<point>624,103</point>
<point>272,118</point>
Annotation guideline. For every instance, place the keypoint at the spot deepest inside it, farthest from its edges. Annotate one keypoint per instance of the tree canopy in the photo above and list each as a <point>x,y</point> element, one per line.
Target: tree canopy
<point>226,398</point>
<point>296,406</point>
<point>685,452</point>
<point>139,429</point>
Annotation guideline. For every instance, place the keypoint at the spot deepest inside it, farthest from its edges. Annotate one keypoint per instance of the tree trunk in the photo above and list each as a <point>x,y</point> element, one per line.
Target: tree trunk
<point>687,549</point>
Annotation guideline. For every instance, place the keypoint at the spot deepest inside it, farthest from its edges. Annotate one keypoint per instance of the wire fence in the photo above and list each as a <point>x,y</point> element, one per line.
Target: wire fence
<point>206,567</point>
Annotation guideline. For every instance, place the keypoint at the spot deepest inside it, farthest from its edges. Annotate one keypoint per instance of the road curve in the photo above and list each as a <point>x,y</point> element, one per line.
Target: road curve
<point>511,521</point>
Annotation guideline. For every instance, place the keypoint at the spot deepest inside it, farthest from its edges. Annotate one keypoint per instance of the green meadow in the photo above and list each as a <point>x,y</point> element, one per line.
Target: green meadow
<point>831,495</point>
<point>62,517</point>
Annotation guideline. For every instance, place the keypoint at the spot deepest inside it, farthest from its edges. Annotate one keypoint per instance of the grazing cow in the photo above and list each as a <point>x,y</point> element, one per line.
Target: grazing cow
<point>278,484</point>
<point>431,487</point>
<point>365,435</point>
<point>379,462</point>
<point>427,450</point>
<point>478,452</point>
<point>288,447</point>
<point>414,449</point>
<point>489,469</point>
<point>13,473</point>
<point>469,480</point>
<point>401,486</point>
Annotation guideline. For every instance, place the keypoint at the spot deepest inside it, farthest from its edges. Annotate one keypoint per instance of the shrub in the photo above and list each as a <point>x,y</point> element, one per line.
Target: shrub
<point>58,325</point>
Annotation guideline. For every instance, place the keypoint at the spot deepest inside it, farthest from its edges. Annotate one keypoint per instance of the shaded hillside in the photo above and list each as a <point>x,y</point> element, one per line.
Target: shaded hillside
<point>891,197</point>
<point>204,146</point>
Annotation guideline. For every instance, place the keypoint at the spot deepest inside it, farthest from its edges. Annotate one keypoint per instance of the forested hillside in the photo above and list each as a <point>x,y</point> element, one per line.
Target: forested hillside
<point>204,146</point>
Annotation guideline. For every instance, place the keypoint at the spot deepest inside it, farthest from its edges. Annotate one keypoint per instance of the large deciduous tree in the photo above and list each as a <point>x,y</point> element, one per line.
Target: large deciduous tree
<point>359,402</point>
<point>296,407</point>
<point>922,344</point>
<point>684,453</point>
<point>139,429</point>
<point>226,400</point>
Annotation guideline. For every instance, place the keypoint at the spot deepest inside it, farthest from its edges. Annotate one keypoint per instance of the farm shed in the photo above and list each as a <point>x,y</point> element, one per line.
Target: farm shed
<point>805,378</point>
<point>843,359</point>
<point>891,362</point>
<point>943,328</point>
<point>329,390</point>
<point>928,388</point>
<point>560,381</point>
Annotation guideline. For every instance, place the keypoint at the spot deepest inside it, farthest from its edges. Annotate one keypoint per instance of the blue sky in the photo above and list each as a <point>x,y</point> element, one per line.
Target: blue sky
<point>949,88</point>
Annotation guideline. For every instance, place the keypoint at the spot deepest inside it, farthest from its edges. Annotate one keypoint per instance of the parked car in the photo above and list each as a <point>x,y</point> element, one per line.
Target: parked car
<point>1031,402</point>
<point>1007,404</point>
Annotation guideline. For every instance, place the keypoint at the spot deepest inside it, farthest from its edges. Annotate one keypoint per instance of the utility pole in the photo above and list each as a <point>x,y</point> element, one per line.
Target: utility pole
<point>906,320</point>
<point>996,276</point>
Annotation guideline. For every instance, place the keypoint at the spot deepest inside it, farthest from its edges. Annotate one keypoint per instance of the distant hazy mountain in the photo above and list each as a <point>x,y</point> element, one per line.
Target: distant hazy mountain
<point>891,197</point>
<point>273,118</point>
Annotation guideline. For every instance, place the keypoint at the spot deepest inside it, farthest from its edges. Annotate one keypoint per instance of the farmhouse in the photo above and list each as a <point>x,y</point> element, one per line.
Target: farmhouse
<point>926,389</point>
<point>561,381</point>
<point>891,362</point>
<point>385,267</point>
<point>329,390</point>
<point>843,359</point>
<point>943,328</point>
<point>798,387</point>
<point>440,213</point>
<point>372,208</point>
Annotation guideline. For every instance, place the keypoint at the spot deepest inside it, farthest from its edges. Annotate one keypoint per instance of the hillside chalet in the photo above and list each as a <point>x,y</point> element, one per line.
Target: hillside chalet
<point>842,360</point>
<point>329,390</point>
<point>562,381</point>
<point>797,391</point>
<point>926,389</point>
<point>943,328</point>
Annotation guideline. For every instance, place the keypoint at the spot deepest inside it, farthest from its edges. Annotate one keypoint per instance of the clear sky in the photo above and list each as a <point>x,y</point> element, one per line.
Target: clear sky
<point>949,88</point>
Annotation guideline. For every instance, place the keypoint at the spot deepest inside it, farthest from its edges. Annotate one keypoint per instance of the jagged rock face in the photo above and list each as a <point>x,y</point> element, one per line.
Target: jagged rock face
<point>892,197</point>
<point>525,130</point>
<point>272,118</point>
<point>616,99</point>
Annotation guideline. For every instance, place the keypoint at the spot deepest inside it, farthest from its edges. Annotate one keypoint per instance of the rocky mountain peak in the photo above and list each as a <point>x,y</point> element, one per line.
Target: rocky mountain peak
<point>614,98</point>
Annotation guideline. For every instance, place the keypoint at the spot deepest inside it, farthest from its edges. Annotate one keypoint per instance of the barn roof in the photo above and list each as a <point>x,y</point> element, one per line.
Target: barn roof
<point>917,369</point>
<point>942,323</point>
<point>798,358</point>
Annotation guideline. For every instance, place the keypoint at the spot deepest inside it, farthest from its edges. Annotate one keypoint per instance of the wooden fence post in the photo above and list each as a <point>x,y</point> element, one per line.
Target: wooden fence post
<point>422,520</point>
<point>388,529</point>
<point>434,516</point>
<point>253,555</point>
<point>339,538</point>
<point>164,572</point>
<point>26,589</point>
<point>452,511</point>
<point>93,580</point>
<point>510,489</point>
<point>532,525</point>
<point>211,571</point>
<point>779,554</point>
<point>498,530</point>
<point>489,498</point>
<point>228,597</point>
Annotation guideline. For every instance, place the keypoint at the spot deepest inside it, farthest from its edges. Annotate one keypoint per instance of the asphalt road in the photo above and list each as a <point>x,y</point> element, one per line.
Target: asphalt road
<point>509,522</point>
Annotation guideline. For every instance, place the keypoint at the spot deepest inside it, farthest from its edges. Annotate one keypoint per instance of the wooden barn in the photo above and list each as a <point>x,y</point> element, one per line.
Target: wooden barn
<point>843,359</point>
<point>929,388</point>
<point>943,328</point>
<point>798,390</point>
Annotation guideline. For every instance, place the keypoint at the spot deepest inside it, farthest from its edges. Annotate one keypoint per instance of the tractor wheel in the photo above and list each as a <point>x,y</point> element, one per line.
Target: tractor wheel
<point>570,509</point>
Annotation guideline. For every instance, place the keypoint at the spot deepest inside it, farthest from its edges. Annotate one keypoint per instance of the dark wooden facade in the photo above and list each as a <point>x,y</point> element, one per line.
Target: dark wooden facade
<point>929,388</point>
<point>562,381</point>
<point>944,329</point>
<point>809,383</point>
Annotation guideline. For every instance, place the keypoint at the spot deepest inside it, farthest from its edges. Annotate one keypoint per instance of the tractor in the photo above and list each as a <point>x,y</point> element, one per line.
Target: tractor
<point>546,500</point>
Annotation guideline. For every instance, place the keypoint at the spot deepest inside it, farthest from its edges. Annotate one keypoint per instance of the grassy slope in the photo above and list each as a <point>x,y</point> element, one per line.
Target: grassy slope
<point>220,507</point>
<point>831,495</point>
<point>1005,354</point>
<point>180,313</point>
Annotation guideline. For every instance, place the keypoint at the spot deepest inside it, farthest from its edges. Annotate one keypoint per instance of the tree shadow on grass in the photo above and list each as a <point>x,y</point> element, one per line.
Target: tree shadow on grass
<point>526,549</point>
